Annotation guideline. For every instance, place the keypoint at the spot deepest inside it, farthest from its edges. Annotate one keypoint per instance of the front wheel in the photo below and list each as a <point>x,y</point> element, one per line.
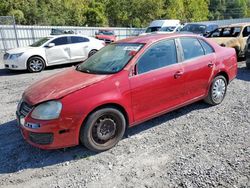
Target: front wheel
<point>217,91</point>
<point>35,64</point>
<point>103,129</point>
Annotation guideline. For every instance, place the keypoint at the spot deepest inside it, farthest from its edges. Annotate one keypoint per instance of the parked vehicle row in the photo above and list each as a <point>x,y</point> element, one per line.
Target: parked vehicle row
<point>53,50</point>
<point>124,84</point>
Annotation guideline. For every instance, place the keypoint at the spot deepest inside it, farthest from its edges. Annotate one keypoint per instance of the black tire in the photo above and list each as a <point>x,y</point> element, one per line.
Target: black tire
<point>218,88</point>
<point>103,129</point>
<point>35,64</point>
<point>92,52</point>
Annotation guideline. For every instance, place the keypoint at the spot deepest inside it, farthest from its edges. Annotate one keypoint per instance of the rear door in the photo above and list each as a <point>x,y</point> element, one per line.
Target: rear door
<point>158,84</point>
<point>79,48</point>
<point>60,53</point>
<point>198,63</point>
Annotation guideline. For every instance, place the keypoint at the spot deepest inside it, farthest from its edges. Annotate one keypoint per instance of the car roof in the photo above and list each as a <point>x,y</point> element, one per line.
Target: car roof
<point>106,30</point>
<point>236,25</point>
<point>206,24</point>
<point>67,35</point>
<point>147,39</point>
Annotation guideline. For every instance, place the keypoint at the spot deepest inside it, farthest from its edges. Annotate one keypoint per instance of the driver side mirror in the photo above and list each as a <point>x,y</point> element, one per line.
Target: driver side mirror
<point>50,45</point>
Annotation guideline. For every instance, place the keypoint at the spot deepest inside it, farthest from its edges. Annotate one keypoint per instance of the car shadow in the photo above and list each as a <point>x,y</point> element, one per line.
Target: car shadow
<point>243,74</point>
<point>17,155</point>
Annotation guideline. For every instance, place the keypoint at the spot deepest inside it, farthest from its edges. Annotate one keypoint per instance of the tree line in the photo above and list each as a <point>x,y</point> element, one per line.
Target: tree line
<point>120,13</point>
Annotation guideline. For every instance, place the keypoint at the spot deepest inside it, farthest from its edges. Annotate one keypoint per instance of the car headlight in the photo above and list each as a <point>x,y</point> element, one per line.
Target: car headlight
<point>47,110</point>
<point>15,56</point>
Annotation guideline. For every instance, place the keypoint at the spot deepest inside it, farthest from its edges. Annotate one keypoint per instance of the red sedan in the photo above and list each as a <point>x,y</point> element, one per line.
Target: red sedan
<point>124,84</point>
<point>106,35</point>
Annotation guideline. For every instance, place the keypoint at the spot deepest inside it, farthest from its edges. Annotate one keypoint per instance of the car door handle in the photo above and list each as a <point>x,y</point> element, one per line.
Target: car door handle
<point>210,64</point>
<point>178,74</point>
<point>66,49</point>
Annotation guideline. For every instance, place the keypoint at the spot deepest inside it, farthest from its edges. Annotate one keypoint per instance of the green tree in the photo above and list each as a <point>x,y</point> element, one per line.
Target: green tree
<point>196,10</point>
<point>236,9</point>
<point>174,9</point>
<point>217,9</point>
<point>95,14</point>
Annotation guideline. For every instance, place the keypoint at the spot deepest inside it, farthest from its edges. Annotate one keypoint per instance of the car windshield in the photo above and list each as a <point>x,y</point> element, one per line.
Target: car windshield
<point>40,42</point>
<point>152,29</point>
<point>168,29</point>
<point>102,32</point>
<point>226,32</point>
<point>110,59</point>
<point>194,28</point>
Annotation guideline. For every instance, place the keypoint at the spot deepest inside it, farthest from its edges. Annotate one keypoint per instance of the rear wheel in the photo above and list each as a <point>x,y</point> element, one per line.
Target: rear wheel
<point>103,129</point>
<point>35,64</point>
<point>92,52</point>
<point>217,91</point>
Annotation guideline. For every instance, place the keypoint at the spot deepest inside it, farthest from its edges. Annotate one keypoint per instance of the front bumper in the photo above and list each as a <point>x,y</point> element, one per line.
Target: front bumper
<point>51,134</point>
<point>15,64</point>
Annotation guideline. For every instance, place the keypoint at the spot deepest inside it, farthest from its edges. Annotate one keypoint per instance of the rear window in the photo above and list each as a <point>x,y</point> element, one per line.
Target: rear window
<point>152,29</point>
<point>208,49</point>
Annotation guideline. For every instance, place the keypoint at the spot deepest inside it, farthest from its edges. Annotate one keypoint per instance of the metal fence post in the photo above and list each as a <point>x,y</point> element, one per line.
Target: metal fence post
<point>32,34</point>
<point>14,25</point>
<point>3,42</point>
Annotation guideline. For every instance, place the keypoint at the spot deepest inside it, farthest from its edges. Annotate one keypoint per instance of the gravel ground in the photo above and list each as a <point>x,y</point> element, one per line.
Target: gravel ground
<point>195,146</point>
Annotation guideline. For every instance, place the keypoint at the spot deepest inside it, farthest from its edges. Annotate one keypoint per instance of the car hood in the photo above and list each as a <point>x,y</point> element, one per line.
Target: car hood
<point>110,37</point>
<point>59,85</point>
<point>20,50</point>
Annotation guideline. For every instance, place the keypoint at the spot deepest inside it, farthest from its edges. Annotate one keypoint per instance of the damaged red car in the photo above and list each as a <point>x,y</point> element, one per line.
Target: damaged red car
<point>106,35</point>
<point>125,83</point>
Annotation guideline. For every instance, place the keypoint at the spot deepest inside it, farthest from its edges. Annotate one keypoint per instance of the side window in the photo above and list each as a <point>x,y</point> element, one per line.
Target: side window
<point>215,33</point>
<point>208,49</point>
<point>79,39</point>
<point>160,55</point>
<point>191,48</point>
<point>246,31</point>
<point>60,41</point>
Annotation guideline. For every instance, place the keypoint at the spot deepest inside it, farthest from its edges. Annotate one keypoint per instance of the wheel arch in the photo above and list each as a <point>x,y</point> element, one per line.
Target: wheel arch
<point>94,49</point>
<point>223,73</point>
<point>45,62</point>
<point>111,105</point>
<point>107,105</point>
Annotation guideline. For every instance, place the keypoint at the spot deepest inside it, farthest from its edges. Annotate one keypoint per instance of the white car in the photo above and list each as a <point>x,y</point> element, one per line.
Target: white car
<point>52,50</point>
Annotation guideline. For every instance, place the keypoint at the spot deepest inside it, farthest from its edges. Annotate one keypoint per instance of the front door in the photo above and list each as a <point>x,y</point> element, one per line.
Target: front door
<point>60,53</point>
<point>79,48</point>
<point>158,84</point>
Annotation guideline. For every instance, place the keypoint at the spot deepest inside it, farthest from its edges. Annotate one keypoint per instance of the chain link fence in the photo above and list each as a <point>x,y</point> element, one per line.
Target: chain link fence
<point>12,36</point>
<point>10,22</point>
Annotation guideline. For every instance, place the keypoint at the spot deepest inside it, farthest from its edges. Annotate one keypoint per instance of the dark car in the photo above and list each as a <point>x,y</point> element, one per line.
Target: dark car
<point>201,29</point>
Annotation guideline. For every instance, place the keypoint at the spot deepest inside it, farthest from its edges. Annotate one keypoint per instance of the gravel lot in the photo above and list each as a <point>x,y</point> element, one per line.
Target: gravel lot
<point>195,146</point>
